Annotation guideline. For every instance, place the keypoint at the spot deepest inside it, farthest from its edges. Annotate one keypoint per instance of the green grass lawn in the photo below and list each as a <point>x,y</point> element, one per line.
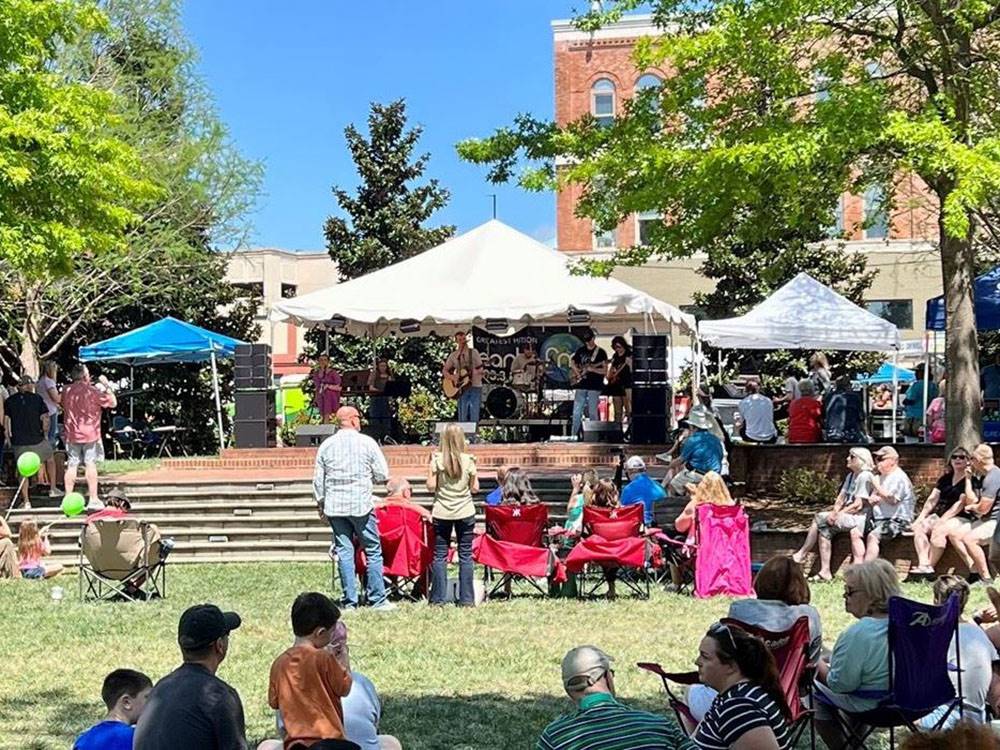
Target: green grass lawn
<point>459,679</point>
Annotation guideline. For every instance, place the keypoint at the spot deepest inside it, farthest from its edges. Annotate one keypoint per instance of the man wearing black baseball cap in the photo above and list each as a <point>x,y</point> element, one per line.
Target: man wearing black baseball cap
<point>191,707</point>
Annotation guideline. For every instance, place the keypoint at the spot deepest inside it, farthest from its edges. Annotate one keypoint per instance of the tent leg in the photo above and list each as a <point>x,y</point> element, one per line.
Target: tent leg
<point>927,380</point>
<point>131,398</point>
<point>895,390</point>
<point>672,416</point>
<point>218,403</point>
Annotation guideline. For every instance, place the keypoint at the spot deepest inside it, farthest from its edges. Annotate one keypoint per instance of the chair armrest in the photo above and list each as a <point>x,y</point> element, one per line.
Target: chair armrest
<point>681,678</point>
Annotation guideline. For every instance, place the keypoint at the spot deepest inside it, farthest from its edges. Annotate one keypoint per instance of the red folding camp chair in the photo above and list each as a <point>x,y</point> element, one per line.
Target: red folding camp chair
<point>515,545</point>
<point>614,539</point>
<point>790,649</point>
<point>407,552</point>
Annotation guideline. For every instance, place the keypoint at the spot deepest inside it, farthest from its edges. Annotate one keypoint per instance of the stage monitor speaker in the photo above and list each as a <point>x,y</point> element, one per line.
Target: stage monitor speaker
<point>309,435</point>
<point>595,431</point>
<point>650,415</point>
<point>259,433</point>
<point>254,405</point>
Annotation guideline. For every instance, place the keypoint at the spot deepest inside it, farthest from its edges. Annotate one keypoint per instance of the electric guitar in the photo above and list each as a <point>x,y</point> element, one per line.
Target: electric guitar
<point>597,368</point>
<point>457,384</point>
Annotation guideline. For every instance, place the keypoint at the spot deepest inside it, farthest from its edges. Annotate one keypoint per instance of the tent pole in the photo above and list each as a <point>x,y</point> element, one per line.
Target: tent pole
<point>670,375</point>
<point>928,379</point>
<point>131,398</point>
<point>218,402</point>
<point>895,389</point>
<point>696,376</point>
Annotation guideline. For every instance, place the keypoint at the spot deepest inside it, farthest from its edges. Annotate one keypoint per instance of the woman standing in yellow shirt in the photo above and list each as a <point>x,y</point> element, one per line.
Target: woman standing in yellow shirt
<point>452,478</point>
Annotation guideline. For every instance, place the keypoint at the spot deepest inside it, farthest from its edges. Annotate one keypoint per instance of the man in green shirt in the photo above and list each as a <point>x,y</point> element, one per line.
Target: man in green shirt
<point>601,722</point>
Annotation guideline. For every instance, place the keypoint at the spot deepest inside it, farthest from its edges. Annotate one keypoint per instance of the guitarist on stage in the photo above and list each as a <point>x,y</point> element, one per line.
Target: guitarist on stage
<point>588,367</point>
<point>463,372</point>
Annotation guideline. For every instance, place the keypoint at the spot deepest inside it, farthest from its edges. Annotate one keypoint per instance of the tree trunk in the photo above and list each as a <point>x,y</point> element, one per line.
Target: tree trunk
<point>963,396</point>
<point>30,333</point>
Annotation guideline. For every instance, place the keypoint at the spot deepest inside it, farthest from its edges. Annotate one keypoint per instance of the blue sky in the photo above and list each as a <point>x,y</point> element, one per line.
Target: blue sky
<point>287,77</point>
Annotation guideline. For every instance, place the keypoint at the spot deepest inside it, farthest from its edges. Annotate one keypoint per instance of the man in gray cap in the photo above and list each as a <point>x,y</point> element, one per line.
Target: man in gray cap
<point>601,722</point>
<point>191,707</point>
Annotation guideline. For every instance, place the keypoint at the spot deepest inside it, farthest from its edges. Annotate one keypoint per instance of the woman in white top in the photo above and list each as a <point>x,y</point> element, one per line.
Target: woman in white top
<point>48,389</point>
<point>847,515</point>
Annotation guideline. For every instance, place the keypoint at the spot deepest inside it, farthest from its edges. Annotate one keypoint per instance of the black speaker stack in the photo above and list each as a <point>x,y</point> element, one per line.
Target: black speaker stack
<point>256,422</point>
<point>650,392</point>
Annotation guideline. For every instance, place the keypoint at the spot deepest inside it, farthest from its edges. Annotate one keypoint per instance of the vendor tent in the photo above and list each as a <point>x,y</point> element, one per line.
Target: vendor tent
<point>491,273</point>
<point>987,293</point>
<point>804,314</point>
<point>163,342</point>
<point>888,373</point>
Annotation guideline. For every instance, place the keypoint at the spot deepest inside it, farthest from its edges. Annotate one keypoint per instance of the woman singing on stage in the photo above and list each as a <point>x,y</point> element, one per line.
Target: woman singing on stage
<point>326,384</point>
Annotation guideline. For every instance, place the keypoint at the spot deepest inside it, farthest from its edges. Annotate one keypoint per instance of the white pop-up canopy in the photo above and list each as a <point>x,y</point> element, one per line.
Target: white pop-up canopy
<point>490,273</point>
<point>804,314</point>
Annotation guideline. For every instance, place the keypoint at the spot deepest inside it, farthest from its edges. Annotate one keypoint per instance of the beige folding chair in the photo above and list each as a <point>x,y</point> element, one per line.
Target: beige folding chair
<point>121,559</point>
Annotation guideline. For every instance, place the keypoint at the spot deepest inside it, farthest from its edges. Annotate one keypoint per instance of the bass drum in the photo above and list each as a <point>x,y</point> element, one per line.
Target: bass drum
<point>502,402</point>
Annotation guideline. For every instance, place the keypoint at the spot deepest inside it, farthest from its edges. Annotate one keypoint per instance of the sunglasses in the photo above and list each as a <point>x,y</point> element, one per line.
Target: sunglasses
<point>960,457</point>
<point>718,629</point>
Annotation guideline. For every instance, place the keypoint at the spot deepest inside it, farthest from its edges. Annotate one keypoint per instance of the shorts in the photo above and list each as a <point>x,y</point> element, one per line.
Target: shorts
<point>845,522</point>
<point>982,530</point>
<point>43,449</point>
<point>37,572</point>
<point>678,485</point>
<point>887,528</point>
<point>86,453</point>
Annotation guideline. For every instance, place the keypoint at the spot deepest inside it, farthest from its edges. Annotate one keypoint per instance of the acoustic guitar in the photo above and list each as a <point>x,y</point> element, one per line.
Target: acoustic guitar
<point>458,386</point>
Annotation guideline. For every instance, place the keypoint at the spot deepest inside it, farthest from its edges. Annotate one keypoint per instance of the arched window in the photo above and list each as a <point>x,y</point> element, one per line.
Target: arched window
<point>602,101</point>
<point>648,81</point>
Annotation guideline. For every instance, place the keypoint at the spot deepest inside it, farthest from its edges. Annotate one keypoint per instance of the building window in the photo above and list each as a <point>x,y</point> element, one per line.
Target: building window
<point>876,216</point>
<point>821,87</point>
<point>645,222</point>
<point>602,102</point>
<point>899,312</point>
<point>605,239</point>
<point>836,230</point>
<point>249,289</point>
<point>648,81</point>
<point>288,291</point>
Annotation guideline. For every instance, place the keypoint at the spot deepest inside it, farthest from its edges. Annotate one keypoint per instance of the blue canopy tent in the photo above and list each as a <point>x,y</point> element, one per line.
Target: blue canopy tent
<point>888,373</point>
<point>164,342</point>
<point>987,294</point>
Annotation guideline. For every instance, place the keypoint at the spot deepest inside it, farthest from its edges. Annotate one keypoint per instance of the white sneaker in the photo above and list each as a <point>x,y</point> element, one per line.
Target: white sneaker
<point>664,457</point>
<point>385,606</point>
<point>95,505</point>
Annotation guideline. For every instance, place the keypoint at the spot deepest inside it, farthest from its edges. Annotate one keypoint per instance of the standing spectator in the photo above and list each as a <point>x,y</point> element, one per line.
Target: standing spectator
<point>600,721</point>
<point>805,416</point>
<point>27,425</point>
<point>701,452</point>
<point>819,374</point>
<point>124,693</point>
<point>913,402</point>
<point>891,503</point>
<point>641,488</point>
<point>619,377</point>
<point>755,416</point>
<point>9,567</point>
<point>326,388</point>
<point>588,367</point>
<point>984,511</point>
<point>843,414</point>
<point>936,425</point>
<point>464,368</point>
<point>452,478</point>
<point>48,389</point>
<point>791,390</point>
<point>347,465</point>
<point>990,379</point>
<point>82,404</point>
<point>860,657</point>
<point>944,513</point>
<point>191,707</point>
<point>848,514</point>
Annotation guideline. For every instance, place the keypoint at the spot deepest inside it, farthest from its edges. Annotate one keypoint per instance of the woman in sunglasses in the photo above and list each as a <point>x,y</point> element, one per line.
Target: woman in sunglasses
<point>860,658</point>
<point>750,712</point>
<point>944,513</point>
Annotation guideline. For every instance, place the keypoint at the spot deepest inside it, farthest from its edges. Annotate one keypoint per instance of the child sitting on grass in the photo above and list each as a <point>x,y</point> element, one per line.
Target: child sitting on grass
<point>307,681</point>
<point>124,693</point>
<point>32,546</point>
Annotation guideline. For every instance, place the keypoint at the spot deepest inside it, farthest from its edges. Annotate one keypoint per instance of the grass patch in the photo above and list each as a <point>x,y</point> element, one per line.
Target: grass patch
<point>464,679</point>
<point>112,467</point>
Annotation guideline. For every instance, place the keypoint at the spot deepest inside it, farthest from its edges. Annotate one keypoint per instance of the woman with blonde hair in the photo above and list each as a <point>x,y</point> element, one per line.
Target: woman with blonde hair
<point>605,495</point>
<point>860,657</point>
<point>711,489</point>
<point>452,478</point>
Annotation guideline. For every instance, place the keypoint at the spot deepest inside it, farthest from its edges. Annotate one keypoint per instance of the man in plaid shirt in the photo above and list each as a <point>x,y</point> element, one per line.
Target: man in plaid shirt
<point>347,465</point>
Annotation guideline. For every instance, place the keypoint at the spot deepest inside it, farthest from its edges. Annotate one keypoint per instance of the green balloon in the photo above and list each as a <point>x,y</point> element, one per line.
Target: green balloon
<point>73,504</point>
<point>28,463</point>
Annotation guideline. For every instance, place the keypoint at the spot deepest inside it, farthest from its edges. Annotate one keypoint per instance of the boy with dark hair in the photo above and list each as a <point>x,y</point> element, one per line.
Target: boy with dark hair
<point>307,681</point>
<point>124,693</point>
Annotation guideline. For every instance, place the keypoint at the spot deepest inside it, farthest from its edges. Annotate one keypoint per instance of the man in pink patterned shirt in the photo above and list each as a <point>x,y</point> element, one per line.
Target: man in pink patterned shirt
<point>82,403</point>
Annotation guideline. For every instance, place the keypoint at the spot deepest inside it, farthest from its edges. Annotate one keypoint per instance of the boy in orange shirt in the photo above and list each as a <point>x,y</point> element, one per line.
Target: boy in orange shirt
<point>307,681</point>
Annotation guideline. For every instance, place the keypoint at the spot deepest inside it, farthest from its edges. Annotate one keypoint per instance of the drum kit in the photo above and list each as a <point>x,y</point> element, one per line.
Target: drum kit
<point>524,398</point>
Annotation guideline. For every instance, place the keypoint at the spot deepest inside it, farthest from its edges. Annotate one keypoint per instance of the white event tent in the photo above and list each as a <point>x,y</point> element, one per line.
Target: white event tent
<point>805,314</point>
<point>488,275</point>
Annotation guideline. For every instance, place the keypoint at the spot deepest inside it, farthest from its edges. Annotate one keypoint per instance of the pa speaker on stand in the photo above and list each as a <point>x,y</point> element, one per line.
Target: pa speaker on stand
<point>256,420</point>
<point>650,390</point>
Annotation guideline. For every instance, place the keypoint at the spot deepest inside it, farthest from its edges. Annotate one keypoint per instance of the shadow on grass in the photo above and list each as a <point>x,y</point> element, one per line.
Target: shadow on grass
<point>54,712</point>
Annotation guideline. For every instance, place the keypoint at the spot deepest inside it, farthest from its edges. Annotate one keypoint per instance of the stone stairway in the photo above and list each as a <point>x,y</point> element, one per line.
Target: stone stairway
<point>242,521</point>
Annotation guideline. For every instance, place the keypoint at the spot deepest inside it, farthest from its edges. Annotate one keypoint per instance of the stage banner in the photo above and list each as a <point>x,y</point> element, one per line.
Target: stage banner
<point>554,345</point>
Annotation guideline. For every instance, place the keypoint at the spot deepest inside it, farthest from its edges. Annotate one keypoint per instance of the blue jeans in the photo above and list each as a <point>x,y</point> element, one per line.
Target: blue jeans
<point>365,529</point>
<point>584,400</point>
<point>468,405</point>
<point>439,570</point>
<point>53,435</point>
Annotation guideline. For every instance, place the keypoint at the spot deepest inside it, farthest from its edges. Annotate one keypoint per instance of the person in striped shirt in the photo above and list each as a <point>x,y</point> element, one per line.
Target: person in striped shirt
<point>749,712</point>
<point>601,722</point>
